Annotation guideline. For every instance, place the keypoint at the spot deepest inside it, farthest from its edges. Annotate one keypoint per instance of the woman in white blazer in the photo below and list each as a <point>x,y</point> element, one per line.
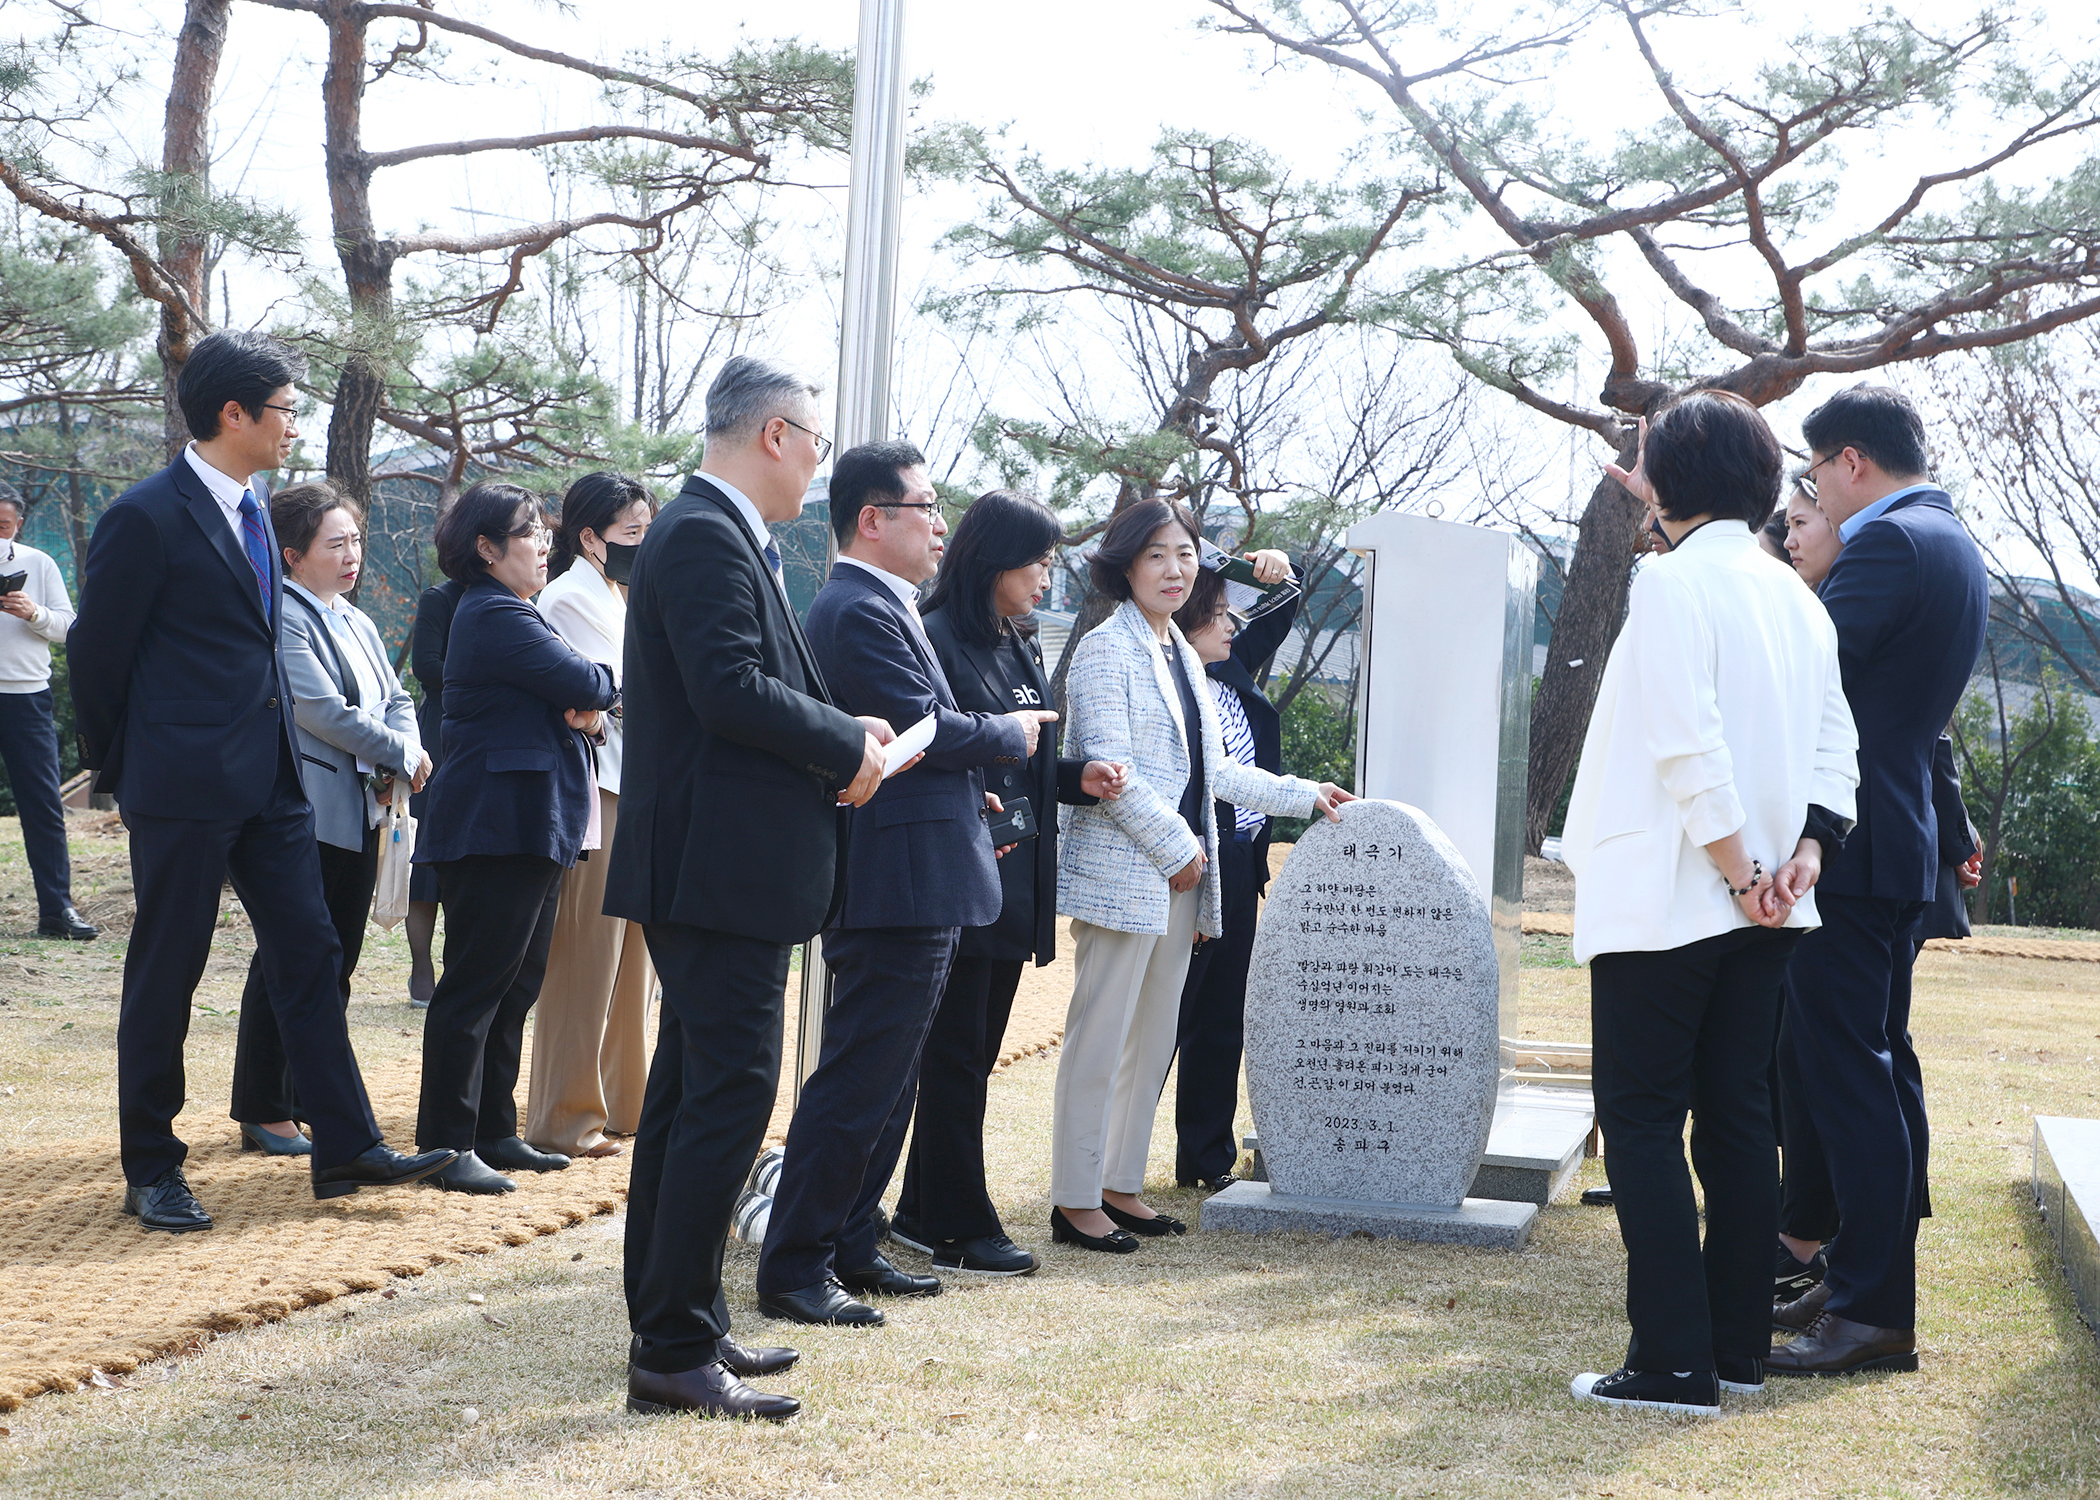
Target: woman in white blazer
<point>1137,874</point>
<point>590,1045</point>
<point>356,726</point>
<point>1718,769</point>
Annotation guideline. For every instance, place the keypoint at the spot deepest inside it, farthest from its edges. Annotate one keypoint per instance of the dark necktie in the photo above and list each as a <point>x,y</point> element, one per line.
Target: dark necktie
<point>258,546</point>
<point>773,561</point>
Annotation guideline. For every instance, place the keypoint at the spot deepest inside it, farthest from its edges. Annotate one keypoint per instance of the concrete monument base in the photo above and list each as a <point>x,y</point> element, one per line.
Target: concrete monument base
<point>1536,1143</point>
<point>1251,1208</point>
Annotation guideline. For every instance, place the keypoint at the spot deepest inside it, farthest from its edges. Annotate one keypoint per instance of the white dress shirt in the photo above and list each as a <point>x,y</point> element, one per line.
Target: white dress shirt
<point>1721,711</point>
<point>226,490</point>
<point>752,519</point>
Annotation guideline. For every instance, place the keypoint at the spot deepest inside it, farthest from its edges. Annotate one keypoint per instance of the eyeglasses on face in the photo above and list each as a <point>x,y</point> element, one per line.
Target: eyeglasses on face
<point>289,411</point>
<point>823,442</point>
<point>1807,481</point>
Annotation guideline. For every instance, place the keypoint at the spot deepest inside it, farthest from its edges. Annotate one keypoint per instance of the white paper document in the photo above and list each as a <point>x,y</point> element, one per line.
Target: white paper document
<point>911,742</point>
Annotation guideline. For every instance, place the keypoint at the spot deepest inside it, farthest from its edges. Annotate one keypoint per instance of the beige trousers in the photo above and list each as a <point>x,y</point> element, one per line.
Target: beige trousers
<point>590,1030</point>
<point>1119,1042</point>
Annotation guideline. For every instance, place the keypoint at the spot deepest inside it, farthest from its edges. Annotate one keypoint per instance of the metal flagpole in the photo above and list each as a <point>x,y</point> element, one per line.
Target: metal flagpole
<point>867,334</point>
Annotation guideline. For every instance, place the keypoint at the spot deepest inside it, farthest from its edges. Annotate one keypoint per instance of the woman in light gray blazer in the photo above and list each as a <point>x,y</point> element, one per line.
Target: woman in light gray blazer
<point>358,744</point>
<point>1136,874</point>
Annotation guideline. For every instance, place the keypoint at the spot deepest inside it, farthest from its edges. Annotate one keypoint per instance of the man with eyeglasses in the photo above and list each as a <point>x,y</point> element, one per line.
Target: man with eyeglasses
<point>920,867</point>
<point>185,715</point>
<point>35,615</point>
<point>1909,597</point>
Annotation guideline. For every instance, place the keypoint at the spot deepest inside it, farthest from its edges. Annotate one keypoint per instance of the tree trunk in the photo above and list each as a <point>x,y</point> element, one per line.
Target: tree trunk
<point>186,152</point>
<point>1592,608</point>
<point>75,502</point>
<point>368,262</point>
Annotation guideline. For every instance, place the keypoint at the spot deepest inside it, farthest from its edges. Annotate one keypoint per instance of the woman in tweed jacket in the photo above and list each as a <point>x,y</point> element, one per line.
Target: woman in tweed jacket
<point>1136,875</point>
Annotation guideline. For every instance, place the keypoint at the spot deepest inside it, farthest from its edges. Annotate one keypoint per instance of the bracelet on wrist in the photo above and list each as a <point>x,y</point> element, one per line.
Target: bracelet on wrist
<point>1757,877</point>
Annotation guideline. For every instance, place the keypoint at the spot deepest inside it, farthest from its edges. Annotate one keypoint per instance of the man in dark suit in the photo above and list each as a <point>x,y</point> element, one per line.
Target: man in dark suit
<point>920,867</point>
<point>734,765</point>
<point>184,713</point>
<point>1909,598</point>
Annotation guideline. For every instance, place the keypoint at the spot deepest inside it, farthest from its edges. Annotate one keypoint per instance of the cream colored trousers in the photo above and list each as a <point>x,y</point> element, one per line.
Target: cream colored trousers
<point>1119,1042</point>
<point>590,1029</point>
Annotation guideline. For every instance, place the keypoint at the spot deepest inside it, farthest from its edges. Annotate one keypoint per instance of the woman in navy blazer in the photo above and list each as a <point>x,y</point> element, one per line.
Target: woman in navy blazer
<point>512,809</point>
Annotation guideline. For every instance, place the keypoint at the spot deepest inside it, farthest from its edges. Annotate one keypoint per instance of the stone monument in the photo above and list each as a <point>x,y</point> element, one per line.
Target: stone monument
<point>1373,1043</point>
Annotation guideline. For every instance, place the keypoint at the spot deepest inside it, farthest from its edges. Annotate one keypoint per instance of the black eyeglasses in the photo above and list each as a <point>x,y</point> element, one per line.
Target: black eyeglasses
<point>289,411</point>
<point>823,442</point>
<point>1807,481</point>
<point>906,504</point>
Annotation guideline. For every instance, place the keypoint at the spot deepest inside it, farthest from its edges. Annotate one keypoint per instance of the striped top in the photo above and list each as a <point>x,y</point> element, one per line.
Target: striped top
<point>1239,744</point>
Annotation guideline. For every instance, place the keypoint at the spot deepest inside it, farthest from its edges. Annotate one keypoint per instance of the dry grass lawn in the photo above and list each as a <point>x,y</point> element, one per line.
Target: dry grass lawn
<point>1215,1365</point>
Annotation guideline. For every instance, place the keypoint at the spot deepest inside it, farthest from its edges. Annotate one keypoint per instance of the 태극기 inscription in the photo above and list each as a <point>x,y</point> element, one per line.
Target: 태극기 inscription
<point>1372,1048</point>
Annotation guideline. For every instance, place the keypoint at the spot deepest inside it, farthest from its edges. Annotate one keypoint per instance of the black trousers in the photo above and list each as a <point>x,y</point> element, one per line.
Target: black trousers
<point>1690,1030</point>
<point>177,868</point>
<point>1213,1029</point>
<point>848,1130</point>
<point>1849,1045</point>
<point>499,922</point>
<point>1808,1207</point>
<point>944,1189</point>
<point>262,1078</point>
<point>29,749</point>
<point>711,1087</point>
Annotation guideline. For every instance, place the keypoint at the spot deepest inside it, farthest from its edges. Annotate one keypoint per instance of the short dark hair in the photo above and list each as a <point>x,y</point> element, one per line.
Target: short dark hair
<point>490,509</point>
<point>1001,530</point>
<point>1206,601</point>
<point>1712,452</point>
<point>867,474</point>
<point>592,503</point>
<point>9,495</point>
<point>297,509</point>
<point>223,367</point>
<point>1876,420</point>
<point>1126,537</point>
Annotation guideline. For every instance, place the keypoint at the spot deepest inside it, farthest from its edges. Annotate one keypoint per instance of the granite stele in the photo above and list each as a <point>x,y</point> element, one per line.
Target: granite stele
<point>1372,1040</point>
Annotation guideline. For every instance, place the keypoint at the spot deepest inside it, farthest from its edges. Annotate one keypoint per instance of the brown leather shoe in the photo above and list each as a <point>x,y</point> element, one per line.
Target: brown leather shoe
<point>1795,1316</point>
<point>710,1391</point>
<point>1832,1345</point>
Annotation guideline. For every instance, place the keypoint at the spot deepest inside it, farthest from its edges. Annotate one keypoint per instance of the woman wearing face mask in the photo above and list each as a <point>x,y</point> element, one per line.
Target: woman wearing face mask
<point>1138,875</point>
<point>590,1049</point>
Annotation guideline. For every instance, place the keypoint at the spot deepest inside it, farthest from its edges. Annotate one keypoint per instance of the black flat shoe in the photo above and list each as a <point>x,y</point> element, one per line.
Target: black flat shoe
<point>512,1155</point>
<point>468,1173</point>
<point>881,1279</point>
<point>824,1305</point>
<point>166,1204</point>
<point>270,1143</point>
<point>1152,1228</point>
<point>1216,1184</point>
<point>749,1364</point>
<point>1115,1242</point>
<point>71,925</point>
<point>380,1166</point>
<point>985,1255</point>
<point>711,1391</point>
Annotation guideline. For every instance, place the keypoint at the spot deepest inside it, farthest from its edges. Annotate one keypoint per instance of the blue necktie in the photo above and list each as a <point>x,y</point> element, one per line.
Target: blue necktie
<point>773,557</point>
<point>257,544</point>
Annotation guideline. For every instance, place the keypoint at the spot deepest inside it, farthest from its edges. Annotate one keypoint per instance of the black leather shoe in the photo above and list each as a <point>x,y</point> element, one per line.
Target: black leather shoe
<point>468,1173</point>
<point>69,924</point>
<point>166,1203</point>
<point>823,1305</point>
<point>512,1155</point>
<point>711,1391</point>
<point>1152,1228</point>
<point>270,1143</point>
<point>380,1166</point>
<point>1791,1278</point>
<point>1216,1184</point>
<point>749,1364</point>
<point>986,1255</point>
<point>881,1279</point>
<point>1115,1242</point>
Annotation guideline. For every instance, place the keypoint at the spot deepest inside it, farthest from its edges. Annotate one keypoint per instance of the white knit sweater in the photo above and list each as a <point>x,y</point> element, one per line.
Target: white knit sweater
<point>25,645</point>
